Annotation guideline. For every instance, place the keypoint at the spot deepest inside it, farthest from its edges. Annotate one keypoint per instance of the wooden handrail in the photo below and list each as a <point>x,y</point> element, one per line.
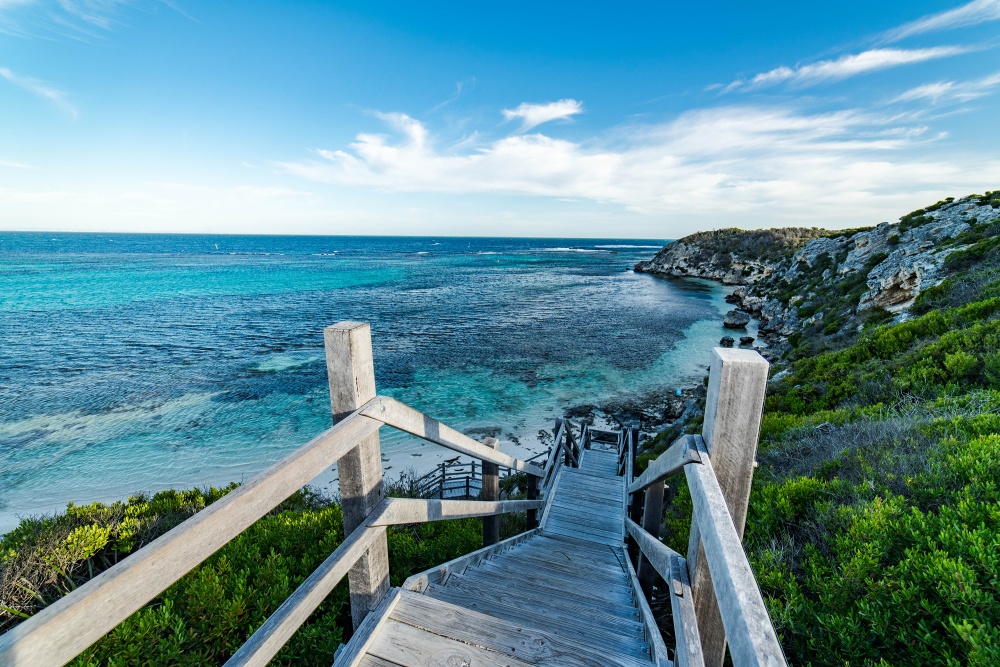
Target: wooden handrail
<point>684,450</point>
<point>752,639</point>
<point>393,413</point>
<point>58,633</point>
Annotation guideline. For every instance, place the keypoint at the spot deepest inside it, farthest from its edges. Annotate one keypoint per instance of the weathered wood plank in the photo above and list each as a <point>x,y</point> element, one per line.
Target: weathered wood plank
<point>662,558</point>
<point>517,597</point>
<point>733,407</point>
<point>657,648</point>
<point>411,646</point>
<point>667,464</point>
<point>592,532</point>
<point>58,633</point>
<point>549,620</point>
<point>497,572</point>
<point>553,577</point>
<point>421,580</point>
<point>490,491</point>
<point>350,370</point>
<point>652,518</point>
<point>401,416</point>
<point>580,535</point>
<point>688,653</point>
<point>418,510</point>
<point>354,653</point>
<point>605,573</point>
<point>270,637</point>
<point>373,661</point>
<point>752,640</point>
<point>534,647</point>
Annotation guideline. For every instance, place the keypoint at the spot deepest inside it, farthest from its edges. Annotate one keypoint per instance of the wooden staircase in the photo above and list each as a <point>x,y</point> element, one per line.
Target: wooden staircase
<point>564,594</point>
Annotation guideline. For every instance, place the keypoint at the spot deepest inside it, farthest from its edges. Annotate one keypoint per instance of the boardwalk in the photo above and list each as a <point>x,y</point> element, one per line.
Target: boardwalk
<point>563,595</point>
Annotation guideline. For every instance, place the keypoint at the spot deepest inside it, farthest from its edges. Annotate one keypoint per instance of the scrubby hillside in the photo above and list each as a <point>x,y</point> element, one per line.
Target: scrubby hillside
<point>874,524</point>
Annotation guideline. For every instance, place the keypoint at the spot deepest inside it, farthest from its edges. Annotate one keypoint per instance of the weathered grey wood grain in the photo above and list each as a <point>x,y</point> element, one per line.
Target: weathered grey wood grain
<point>662,558</point>
<point>752,640</point>
<point>419,510</point>
<point>506,594</point>
<point>657,648</point>
<point>688,653</point>
<point>408,645</point>
<point>351,373</point>
<point>534,647</point>
<point>667,464</point>
<point>354,653</point>
<point>570,626</point>
<point>491,492</point>
<point>652,519</point>
<point>401,416</point>
<point>551,494</point>
<point>733,407</point>
<point>62,630</point>
<point>270,637</point>
<point>419,581</point>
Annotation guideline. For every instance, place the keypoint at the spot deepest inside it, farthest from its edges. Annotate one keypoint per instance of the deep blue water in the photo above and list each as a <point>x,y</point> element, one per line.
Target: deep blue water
<point>141,362</point>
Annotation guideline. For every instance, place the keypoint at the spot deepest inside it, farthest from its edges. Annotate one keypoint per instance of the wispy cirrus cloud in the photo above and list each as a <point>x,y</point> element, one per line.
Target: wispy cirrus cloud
<point>824,71</point>
<point>764,164</point>
<point>951,91</point>
<point>533,115</point>
<point>973,13</point>
<point>75,19</point>
<point>41,89</point>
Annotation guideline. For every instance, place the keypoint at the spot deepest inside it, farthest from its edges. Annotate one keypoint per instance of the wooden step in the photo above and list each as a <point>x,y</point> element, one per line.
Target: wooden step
<point>521,597</point>
<point>546,583</point>
<point>426,616</point>
<point>593,633</point>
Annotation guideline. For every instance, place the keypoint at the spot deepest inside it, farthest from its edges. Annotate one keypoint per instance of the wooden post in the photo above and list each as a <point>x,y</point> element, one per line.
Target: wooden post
<point>351,373</point>
<point>652,519</point>
<point>635,508</point>
<point>491,491</point>
<point>733,407</point>
<point>533,495</point>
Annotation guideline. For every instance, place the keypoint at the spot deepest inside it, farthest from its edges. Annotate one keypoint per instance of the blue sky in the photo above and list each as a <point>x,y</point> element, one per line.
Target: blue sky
<point>643,120</point>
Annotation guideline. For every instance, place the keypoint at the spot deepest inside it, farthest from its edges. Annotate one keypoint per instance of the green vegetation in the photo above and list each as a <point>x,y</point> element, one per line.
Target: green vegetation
<point>874,521</point>
<point>209,613</point>
<point>762,244</point>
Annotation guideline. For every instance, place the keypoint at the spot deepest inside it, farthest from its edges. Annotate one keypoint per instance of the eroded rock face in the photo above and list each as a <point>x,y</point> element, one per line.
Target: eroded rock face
<point>897,261</point>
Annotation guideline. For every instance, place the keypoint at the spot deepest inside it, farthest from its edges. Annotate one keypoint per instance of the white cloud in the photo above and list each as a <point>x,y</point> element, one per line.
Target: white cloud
<point>41,89</point>
<point>532,115</point>
<point>973,13</point>
<point>749,165</point>
<point>951,91</point>
<point>844,67</point>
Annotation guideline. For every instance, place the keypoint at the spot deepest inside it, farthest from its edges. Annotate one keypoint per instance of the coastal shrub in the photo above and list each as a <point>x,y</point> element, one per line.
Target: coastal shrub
<point>212,610</point>
<point>961,260</point>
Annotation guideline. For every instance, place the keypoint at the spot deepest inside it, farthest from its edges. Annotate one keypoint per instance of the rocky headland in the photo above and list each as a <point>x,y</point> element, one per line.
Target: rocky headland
<point>830,283</point>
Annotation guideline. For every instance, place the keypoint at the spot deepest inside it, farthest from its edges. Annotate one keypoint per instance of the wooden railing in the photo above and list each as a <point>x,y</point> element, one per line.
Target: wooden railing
<point>464,480</point>
<point>61,631</point>
<point>713,593</point>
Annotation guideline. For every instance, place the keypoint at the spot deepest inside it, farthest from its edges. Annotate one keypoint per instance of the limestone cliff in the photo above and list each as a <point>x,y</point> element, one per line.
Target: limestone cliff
<point>796,278</point>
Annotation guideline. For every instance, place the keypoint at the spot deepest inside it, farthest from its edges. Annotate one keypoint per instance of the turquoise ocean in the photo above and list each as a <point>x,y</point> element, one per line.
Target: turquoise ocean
<point>136,363</point>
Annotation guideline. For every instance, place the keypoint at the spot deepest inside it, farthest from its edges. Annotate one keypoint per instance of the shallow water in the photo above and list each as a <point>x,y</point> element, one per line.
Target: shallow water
<point>136,363</point>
